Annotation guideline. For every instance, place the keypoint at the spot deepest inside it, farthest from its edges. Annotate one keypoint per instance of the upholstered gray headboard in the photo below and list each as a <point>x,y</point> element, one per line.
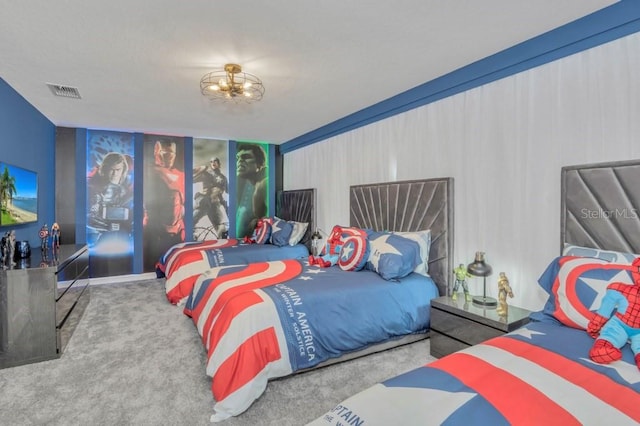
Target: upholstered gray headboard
<point>298,205</point>
<point>601,206</point>
<point>411,206</point>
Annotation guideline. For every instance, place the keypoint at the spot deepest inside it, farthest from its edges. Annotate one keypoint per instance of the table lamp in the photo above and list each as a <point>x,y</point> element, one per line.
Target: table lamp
<point>316,243</point>
<point>479,268</point>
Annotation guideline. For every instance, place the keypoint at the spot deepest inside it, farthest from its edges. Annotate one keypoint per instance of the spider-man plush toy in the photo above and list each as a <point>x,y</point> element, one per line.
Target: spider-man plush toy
<point>331,252</point>
<point>613,330</point>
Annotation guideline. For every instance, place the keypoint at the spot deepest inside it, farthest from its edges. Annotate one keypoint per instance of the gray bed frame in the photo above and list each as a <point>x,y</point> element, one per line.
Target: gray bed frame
<point>601,206</point>
<point>298,205</point>
<point>414,205</point>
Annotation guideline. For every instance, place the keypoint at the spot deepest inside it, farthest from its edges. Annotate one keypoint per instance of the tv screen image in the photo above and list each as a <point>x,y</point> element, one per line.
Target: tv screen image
<point>18,195</point>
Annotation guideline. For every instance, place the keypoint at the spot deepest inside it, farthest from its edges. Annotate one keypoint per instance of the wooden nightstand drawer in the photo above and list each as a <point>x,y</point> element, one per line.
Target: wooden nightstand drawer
<point>461,328</point>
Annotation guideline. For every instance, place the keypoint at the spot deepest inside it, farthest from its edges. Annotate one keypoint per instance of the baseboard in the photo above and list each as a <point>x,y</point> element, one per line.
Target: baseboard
<point>115,279</point>
<point>122,278</point>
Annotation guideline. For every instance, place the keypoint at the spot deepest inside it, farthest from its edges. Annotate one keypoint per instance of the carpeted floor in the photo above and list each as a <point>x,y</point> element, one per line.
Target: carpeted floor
<point>135,359</point>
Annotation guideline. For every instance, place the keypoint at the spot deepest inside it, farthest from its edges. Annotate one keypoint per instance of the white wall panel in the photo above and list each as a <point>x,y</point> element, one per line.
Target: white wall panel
<point>504,143</point>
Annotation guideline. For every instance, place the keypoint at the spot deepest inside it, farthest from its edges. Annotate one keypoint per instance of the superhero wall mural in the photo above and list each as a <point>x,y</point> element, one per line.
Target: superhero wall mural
<point>252,186</point>
<point>210,189</point>
<point>110,202</point>
<point>163,196</point>
<point>130,225</point>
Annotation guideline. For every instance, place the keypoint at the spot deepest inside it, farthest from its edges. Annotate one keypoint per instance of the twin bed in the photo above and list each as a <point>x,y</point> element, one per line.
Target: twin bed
<point>542,372</point>
<point>265,319</point>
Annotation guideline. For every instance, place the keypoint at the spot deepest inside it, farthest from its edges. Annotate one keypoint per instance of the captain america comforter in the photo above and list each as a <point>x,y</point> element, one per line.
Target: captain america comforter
<point>539,375</point>
<point>270,319</point>
<point>183,265</point>
<point>177,250</point>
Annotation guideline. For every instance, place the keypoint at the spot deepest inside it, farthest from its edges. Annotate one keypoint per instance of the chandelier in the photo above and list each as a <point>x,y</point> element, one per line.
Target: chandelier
<point>232,84</point>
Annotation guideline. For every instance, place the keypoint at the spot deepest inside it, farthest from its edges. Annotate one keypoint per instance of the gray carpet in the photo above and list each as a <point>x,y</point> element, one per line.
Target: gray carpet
<point>134,359</point>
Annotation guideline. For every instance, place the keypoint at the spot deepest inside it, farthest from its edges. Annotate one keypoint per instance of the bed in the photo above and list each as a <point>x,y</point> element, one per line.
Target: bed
<point>541,373</point>
<point>272,319</point>
<point>182,263</point>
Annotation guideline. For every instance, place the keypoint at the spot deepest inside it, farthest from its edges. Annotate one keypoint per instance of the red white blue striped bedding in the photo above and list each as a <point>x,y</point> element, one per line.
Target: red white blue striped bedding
<point>270,319</point>
<point>177,250</point>
<point>540,374</point>
<point>183,265</point>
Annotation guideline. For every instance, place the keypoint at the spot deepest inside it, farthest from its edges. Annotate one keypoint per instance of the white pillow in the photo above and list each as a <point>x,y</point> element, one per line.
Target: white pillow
<point>608,255</point>
<point>423,238</point>
<point>299,228</point>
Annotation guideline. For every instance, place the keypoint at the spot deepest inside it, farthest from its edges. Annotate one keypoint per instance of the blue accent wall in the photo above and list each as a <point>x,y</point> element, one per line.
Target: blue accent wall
<point>611,23</point>
<point>28,140</point>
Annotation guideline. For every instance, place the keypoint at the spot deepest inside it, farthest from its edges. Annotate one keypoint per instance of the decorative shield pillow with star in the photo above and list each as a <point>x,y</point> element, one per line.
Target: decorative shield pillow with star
<point>576,286</point>
<point>354,253</point>
<point>262,233</point>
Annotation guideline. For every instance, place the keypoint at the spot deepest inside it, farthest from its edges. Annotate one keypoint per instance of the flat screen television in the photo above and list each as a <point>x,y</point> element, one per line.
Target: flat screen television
<point>18,195</point>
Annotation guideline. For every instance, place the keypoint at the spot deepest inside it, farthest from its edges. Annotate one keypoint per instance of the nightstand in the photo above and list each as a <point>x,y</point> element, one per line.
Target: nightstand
<point>457,324</point>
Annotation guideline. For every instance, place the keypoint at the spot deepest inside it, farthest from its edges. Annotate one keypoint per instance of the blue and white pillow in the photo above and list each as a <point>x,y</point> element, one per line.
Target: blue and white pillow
<point>423,238</point>
<point>392,256</point>
<point>281,232</point>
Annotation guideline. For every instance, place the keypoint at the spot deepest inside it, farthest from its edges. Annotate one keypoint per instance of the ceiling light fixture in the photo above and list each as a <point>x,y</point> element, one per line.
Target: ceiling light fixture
<point>231,84</point>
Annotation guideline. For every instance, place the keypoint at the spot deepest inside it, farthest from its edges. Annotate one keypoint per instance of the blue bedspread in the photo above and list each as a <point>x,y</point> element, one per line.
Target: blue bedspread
<point>333,312</point>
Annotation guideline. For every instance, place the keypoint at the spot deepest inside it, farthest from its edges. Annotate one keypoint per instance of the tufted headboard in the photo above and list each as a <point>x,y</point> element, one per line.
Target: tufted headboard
<point>414,205</point>
<point>601,206</point>
<point>298,205</point>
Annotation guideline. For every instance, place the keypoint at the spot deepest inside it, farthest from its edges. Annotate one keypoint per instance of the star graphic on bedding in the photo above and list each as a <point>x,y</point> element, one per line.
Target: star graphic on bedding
<point>304,277</point>
<point>380,247</point>
<point>315,271</point>
<point>628,372</point>
<point>525,332</point>
<point>598,286</point>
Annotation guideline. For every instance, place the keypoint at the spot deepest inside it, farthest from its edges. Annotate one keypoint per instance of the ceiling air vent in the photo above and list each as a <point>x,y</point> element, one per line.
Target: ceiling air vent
<point>64,91</point>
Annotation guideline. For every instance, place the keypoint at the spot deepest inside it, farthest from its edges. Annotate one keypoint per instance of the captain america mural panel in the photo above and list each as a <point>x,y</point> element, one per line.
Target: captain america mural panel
<point>163,196</point>
<point>210,189</point>
<point>110,202</point>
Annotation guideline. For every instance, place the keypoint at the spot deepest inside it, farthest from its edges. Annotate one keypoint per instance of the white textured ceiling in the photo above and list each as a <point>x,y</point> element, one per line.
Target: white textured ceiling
<point>138,63</point>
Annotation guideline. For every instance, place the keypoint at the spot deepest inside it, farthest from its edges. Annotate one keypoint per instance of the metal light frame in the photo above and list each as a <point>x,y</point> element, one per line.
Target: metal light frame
<point>231,84</point>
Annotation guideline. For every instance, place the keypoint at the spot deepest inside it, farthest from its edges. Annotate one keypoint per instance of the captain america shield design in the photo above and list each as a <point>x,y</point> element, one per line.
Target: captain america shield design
<point>353,255</point>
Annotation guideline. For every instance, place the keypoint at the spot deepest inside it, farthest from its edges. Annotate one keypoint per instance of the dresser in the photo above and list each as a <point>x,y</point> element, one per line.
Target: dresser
<point>42,299</point>
<point>457,324</point>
